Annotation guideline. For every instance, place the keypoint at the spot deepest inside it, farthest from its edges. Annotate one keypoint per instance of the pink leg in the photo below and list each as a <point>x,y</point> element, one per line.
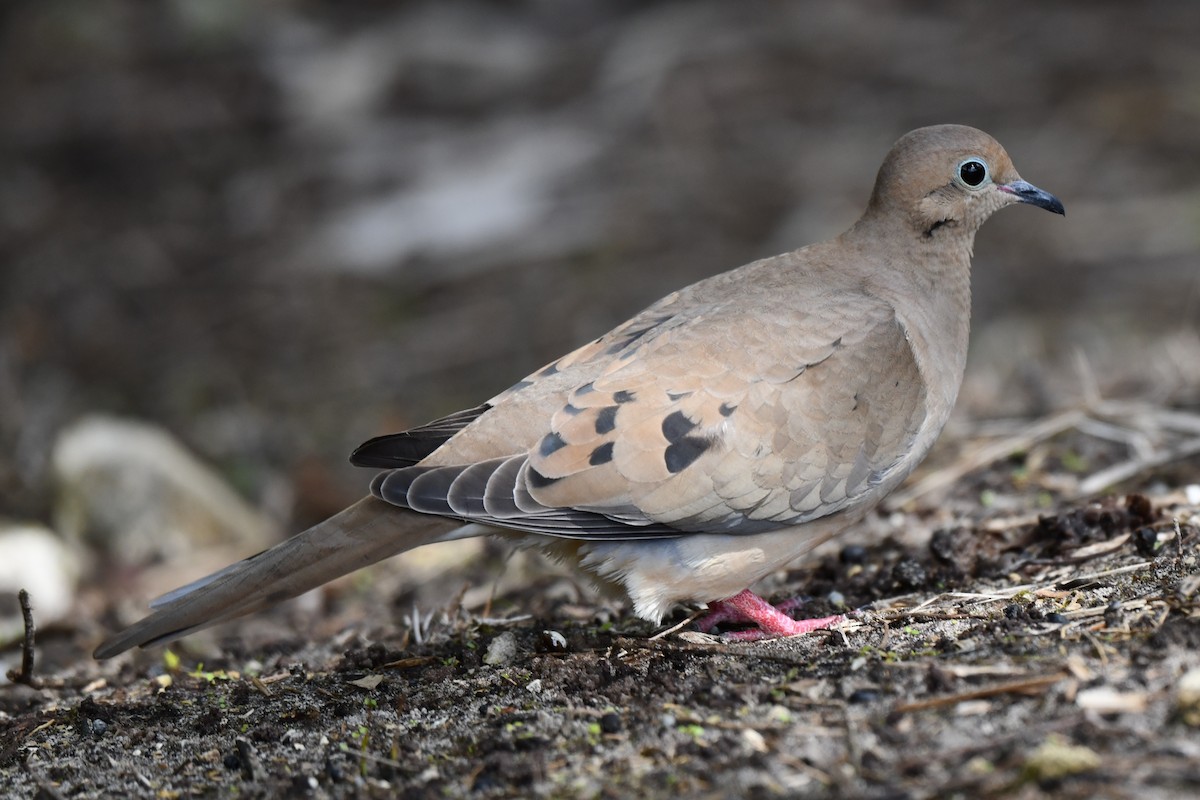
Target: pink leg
<point>771,621</point>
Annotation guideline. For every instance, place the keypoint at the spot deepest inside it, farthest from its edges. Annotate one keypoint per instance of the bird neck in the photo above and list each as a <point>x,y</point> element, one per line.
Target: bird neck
<point>927,280</point>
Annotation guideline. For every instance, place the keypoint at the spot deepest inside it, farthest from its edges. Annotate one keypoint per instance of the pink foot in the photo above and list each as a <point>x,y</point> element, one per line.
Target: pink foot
<point>771,621</point>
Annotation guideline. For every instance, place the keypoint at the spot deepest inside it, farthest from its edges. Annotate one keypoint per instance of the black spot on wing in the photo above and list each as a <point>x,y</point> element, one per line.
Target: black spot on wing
<point>623,396</point>
<point>606,420</point>
<point>551,443</point>
<point>677,396</point>
<point>601,455</point>
<point>587,388</point>
<point>549,370</point>
<point>571,410</point>
<point>683,453</point>
<point>726,409</point>
<point>684,448</point>
<point>676,425</point>
<point>539,481</point>
<point>519,385</point>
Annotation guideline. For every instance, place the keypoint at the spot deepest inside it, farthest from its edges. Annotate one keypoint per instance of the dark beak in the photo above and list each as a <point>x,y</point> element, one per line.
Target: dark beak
<point>1028,193</point>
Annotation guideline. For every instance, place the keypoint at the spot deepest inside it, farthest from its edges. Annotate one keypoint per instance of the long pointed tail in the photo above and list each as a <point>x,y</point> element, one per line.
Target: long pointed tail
<point>368,531</point>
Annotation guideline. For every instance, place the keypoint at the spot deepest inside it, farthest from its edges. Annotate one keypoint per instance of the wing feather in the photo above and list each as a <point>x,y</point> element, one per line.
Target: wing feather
<point>705,418</point>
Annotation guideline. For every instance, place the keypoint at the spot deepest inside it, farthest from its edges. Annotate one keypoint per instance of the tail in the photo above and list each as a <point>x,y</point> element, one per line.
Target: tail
<point>368,531</point>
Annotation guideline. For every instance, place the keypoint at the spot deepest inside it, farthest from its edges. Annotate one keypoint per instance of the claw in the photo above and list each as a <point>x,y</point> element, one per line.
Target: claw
<point>771,620</point>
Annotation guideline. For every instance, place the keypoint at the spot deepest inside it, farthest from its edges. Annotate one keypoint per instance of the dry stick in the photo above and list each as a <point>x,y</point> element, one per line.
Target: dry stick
<point>1011,687</point>
<point>982,455</point>
<point>1083,580</point>
<point>1137,441</point>
<point>25,674</point>
<point>695,615</point>
<point>1178,420</point>
<point>1128,469</point>
<point>1085,420</point>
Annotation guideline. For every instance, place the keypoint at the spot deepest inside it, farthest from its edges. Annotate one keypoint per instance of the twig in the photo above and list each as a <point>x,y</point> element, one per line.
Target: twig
<point>1083,580</point>
<point>1081,554</point>
<point>1139,426</point>
<point>1135,440</point>
<point>983,454</point>
<point>695,615</point>
<point>1088,385</point>
<point>408,663</point>
<point>1012,687</point>
<point>1128,469</point>
<point>25,674</point>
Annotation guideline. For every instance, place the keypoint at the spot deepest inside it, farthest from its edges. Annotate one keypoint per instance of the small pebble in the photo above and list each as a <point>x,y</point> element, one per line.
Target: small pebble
<point>1187,698</point>
<point>610,723</point>
<point>1145,540</point>
<point>501,650</point>
<point>854,554</point>
<point>1059,758</point>
<point>755,741</point>
<point>941,544</point>
<point>863,696</point>
<point>552,642</point>
<point>99,727</point>
<point>1056,618</point>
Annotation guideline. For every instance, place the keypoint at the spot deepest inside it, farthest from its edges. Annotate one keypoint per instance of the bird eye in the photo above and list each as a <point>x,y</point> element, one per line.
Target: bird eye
<point>972,172</point>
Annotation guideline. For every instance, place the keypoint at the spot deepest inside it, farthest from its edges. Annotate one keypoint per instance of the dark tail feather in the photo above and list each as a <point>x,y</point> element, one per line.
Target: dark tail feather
<point>368,531</point>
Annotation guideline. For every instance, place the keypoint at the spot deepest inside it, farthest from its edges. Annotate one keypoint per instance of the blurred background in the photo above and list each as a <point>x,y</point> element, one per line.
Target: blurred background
<point>272,230</point>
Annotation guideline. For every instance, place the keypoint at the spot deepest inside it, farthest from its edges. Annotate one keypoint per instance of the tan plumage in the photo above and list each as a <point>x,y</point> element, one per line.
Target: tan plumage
<point>712,438</point>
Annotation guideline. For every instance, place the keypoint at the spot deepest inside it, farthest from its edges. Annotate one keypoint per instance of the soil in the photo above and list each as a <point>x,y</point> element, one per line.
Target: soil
<point>1040,655</point>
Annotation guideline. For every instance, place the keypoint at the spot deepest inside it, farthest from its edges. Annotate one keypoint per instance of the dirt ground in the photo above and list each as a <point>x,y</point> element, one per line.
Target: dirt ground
<point>276,230</point>
<point>1040,654</point>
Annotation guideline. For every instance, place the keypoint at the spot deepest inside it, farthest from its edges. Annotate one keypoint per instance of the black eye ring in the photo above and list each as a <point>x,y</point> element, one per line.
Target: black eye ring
<point>972,172</point>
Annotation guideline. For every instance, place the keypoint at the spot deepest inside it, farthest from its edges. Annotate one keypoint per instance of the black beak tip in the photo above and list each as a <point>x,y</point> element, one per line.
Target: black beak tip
<point>1028,193</point>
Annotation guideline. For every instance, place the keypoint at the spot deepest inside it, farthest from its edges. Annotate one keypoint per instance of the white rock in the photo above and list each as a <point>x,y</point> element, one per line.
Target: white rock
<point>755,740</point>
<point>34,559</point>
<point>1107,700</point>
<point>1187,697</point>
<point>141,495</point>
<point>502,650</point>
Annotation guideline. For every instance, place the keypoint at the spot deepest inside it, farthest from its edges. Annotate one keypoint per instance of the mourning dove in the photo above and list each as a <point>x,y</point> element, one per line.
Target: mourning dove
<point>716,436</point>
